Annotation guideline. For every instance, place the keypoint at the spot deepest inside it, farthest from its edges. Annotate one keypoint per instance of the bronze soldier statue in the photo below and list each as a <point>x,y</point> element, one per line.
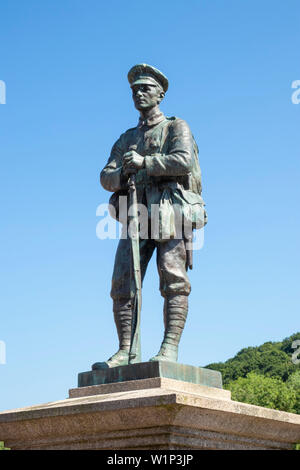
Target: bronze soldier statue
<point>163,156</point>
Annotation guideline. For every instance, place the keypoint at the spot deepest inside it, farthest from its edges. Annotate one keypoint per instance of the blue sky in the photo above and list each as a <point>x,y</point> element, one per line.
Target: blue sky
<point>230,66</point>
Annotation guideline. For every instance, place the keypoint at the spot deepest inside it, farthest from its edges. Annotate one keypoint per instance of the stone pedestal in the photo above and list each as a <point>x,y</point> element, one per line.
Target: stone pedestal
<point>151,370</point>
<point>149,413</point>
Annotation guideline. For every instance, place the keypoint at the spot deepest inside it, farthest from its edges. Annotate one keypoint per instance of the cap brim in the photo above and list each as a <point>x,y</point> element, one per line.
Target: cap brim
<point>145,81</point>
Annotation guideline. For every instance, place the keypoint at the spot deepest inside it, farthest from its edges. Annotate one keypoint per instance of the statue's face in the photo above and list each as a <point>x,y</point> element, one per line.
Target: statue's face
<point>146,96</point>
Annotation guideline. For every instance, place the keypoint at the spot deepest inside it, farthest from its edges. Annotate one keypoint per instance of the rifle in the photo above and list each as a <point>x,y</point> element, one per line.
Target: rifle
<point>135,273</point>
<point>188,241</point>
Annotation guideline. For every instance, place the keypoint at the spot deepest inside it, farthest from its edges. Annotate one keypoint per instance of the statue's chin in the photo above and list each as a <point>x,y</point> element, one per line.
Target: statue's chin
<point>142,107</point>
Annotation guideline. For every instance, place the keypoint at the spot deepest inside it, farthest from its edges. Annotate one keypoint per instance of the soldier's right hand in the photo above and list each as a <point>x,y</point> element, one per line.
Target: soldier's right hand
<point>132,162</point>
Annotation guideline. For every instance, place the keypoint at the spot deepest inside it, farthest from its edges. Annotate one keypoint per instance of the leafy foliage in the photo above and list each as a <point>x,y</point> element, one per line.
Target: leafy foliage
<point>269,359</point>
<point>263,391</point>
<point>264,375</point>
<point>294,382</point>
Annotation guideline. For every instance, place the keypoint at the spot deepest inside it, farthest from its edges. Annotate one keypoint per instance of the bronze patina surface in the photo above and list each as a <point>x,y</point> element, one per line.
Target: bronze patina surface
<point>154,164</point>
<point>149,370</point>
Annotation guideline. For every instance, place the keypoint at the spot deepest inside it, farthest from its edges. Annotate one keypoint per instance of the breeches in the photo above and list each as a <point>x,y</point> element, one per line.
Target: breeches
<point>171,265</point>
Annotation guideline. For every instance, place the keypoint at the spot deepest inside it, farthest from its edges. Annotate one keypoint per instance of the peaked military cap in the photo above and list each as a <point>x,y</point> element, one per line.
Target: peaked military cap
<point>143,73</point>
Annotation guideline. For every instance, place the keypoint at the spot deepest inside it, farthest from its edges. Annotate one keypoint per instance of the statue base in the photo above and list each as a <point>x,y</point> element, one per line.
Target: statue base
<point>151,370</point>
<point>151,413</point>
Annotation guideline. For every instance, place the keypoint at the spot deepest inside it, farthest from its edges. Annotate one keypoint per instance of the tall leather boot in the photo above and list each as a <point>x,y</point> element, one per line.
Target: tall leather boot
<point>122,317</point>
<point>175,313</point>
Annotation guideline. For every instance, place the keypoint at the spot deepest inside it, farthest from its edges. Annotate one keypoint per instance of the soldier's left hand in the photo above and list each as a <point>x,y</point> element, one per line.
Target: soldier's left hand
<point>132,162</point>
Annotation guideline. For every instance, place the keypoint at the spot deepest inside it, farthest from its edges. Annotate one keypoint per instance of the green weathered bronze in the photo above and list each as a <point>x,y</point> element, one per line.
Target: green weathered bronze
<point>149,370</point>
<point>155,164</point>
<point>135,273</point>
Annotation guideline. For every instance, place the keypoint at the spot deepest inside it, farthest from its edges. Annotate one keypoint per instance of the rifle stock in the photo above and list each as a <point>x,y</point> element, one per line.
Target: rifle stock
<point>135,275</point>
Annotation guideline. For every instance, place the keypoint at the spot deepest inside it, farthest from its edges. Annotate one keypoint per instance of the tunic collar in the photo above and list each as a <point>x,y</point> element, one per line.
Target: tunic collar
<point>152,120</point>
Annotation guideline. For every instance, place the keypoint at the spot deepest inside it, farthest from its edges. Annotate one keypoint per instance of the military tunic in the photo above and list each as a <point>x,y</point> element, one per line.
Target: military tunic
<point>170,165</point>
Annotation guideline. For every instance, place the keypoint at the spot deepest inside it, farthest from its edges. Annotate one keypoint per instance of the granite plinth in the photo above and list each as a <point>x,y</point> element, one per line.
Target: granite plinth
<point>150,370</point>
<point>169,414</point>
<point>146,384</point>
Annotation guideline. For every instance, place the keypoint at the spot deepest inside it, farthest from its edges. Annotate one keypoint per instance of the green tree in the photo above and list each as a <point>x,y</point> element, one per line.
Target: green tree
<point>264,391</point>
<point>294,382</point>
<point>271,359</point>
<point>286,345</point>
